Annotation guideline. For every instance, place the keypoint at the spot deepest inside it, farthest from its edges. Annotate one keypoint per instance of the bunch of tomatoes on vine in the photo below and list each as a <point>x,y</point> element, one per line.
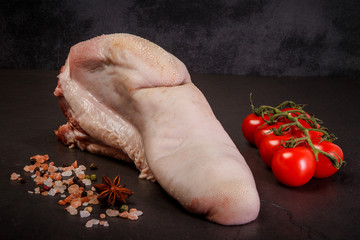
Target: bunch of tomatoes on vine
<point>294,144</point>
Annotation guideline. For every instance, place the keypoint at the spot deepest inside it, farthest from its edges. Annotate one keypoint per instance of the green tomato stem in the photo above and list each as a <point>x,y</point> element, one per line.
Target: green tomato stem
<point>275,113</point>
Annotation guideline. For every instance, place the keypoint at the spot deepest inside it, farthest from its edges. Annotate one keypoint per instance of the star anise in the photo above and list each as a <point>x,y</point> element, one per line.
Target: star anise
<point>111,192</point>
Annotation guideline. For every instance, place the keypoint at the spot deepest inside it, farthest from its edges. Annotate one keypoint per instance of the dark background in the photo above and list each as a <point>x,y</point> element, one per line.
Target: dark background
<point>246,37</point>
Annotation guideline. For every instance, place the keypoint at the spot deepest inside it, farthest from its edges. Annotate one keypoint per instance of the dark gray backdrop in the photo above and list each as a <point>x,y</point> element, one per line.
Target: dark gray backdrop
<point>247,37</point>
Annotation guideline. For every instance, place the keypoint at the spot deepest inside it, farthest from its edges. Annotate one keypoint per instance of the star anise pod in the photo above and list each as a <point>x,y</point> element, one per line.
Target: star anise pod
<point>111,192</point>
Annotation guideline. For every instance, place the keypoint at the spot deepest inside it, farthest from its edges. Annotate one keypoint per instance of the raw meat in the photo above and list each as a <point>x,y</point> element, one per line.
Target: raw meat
<point>128,98</point>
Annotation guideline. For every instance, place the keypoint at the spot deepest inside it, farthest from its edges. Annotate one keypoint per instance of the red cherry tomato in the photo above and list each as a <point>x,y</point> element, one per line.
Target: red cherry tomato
<point>263,132</point>
<point>293,166</point>
<point>293,114</point>
<point>315,136</point>
<point>270,145</point>
<point>324,167</point>
<point>250,124</point>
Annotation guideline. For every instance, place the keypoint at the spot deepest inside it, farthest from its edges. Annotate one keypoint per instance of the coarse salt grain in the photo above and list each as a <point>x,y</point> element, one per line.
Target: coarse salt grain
<point>112,212</point>
<point>31,192</point>
<point>133,216</point>
<point>139,213</point>
<point>82,168</point>
<point>89,224</point>
<point>84,214</point>
<point>106,224</point>
<point>72,210</point>
<point>52,192</point>
<point>95,221</point>
<point>102,215</point>
<point>14,176</point>
<point>87,182</point>
<point>48,182</point>
<point>66,173</point>
<point>124,214</point>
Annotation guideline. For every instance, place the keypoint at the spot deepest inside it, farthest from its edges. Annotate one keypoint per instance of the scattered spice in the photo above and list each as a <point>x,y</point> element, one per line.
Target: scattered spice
<point>111,192</point>
<point>71,183</point>
<point>93,166</point>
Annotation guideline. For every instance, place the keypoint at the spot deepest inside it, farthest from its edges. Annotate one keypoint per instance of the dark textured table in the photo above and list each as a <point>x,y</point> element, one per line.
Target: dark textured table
<point>321,209</point>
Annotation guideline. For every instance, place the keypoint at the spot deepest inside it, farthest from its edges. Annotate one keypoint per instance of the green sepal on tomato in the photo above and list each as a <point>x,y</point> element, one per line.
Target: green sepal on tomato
<point>324,167</point>
<point>270,145</point>
<point>265,131</point>
<point>299,151</point>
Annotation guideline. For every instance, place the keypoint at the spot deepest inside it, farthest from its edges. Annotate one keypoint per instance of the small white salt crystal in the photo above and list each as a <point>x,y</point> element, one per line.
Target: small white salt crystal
<point>87,182</point>
<point>52,192</point>
<point>95,221</point>
<point>139,213</point>
<point>63,195</point>
<point>78,171</point>
<point>84,214</point>
<point>37,190</point>
<point>31,192</point>
<point>85,204</point>
<point>93,189</point>
<point>58,183</point>
<point>48,182</point>
<point>82,168</point>
<point>33,176</point>
<point>112,212</point>
<point>106,224</point>
<point>60,189</point>
<point>89,224</point>
<point>72,210</point>
<point>66,173</point>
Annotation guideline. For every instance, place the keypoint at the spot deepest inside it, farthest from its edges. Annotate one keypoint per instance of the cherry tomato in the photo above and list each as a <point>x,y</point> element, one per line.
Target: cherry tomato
<point>315,136</point>
<point>263,132</point>
<point>293,166</point>
<point>270,145</point>
<point>324,167</point>
<point>250,124</point>
<point>293,114</point>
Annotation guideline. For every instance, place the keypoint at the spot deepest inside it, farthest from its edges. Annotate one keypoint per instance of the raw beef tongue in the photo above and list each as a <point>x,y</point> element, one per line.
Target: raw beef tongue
<point>128,98</point>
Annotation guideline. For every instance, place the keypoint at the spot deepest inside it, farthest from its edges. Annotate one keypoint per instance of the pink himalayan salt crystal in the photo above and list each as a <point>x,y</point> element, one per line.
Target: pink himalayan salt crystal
<point>73,189</point>
<point>104,223</point>
<point>52,169</point>
<point>40,158</point>
<point>27,168</point>
<point>124,214</point>
<point>102,215</point>
<point>76,202</point>
<point>92,222</point>
<point>71,210</point>
<point>112,212</point>
<point>133,216</point>
<point>14,176</point>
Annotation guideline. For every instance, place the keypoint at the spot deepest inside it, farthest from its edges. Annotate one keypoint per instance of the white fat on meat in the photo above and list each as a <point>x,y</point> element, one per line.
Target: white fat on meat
<point>128,98</point>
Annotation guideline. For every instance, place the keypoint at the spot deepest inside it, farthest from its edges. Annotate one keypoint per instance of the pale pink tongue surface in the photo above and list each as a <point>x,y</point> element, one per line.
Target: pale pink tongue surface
<point>128,94</point>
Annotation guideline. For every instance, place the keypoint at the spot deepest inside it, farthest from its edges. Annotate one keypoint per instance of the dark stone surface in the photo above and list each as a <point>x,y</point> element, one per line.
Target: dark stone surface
<point>321,209</point>
<point>246,37</point>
